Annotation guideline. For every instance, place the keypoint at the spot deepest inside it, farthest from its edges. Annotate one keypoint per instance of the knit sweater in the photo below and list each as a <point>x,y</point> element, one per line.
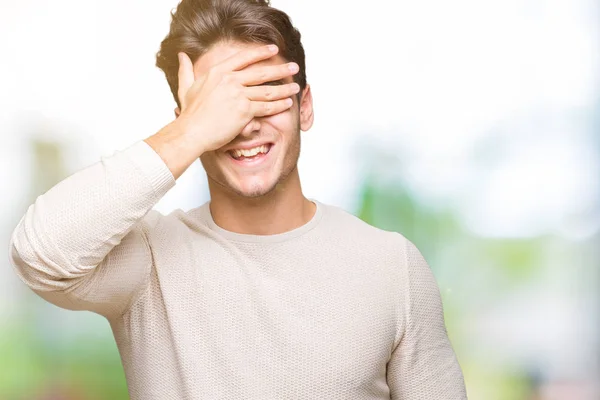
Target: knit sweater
<point>334,309</point>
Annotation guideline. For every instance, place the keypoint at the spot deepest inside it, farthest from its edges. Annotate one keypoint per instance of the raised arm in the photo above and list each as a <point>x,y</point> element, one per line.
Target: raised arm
<point>82,244</point>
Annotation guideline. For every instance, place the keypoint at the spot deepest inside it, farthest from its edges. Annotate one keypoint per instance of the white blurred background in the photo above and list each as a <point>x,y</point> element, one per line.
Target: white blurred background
<point>472,127</point>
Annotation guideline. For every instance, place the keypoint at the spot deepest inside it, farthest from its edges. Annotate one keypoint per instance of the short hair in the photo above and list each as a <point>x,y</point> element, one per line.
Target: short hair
<point>197,25</point>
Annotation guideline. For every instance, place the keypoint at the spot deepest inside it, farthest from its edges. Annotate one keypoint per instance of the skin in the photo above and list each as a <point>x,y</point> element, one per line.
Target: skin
<point>267,200</point>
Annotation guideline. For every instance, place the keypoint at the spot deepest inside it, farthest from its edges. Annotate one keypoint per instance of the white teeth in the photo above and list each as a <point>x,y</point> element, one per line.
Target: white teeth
<point>251,152</point>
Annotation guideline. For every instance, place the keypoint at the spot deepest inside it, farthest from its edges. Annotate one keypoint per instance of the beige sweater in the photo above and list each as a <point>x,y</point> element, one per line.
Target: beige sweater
<point>335,309</point>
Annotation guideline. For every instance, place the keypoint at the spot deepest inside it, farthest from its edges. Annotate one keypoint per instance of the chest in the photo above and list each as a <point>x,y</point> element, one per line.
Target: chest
<point>287,319</point>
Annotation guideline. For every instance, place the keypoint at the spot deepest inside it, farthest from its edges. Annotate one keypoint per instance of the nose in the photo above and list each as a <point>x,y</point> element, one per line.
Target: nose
<point>250,128</point>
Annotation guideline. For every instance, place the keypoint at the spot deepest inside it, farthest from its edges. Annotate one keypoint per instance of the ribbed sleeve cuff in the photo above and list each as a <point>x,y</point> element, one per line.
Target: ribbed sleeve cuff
<point>151,165</point>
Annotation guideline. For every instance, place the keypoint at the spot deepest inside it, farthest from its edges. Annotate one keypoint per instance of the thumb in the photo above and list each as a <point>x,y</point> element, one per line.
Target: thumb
<point>185,77</point>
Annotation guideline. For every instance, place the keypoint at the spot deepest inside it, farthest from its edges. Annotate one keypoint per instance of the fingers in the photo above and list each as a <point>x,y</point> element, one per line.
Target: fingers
<point>185,76</point>
<point>270,93</point>
<point>257,76</point>
<point>264,108</point>
<point>243,58</point>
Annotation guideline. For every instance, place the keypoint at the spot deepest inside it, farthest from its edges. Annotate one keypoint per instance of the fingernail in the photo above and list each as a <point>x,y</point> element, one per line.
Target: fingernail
<point>272,47</point>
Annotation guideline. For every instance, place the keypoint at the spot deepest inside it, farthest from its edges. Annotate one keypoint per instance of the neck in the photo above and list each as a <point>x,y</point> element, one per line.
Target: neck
<point>283,209</point>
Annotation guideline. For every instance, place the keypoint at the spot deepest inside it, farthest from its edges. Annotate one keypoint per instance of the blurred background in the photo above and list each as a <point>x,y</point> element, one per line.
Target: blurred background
<point>472,127</point>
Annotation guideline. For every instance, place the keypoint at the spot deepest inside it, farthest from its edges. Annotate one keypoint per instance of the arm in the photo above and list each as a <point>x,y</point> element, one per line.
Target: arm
<point>83,244</point>
<point>423,365</point>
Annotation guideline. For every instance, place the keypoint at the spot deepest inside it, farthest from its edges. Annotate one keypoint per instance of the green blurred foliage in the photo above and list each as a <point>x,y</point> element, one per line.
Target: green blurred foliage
<point>89,369</point>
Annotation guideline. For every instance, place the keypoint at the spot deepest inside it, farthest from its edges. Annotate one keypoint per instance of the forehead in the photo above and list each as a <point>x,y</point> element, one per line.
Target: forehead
<point>223,50</point>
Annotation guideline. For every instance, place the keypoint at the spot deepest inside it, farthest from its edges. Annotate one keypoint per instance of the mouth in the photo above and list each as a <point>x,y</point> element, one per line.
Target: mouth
<point>253,160</point>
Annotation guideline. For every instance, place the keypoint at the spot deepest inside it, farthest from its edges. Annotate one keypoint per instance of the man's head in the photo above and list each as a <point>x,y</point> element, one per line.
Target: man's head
<point>209,31</point>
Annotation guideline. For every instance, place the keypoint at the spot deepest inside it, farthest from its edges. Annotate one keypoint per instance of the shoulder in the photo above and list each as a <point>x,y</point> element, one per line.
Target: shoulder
<point>390,248</point>
<point>368,240</point>
<point>351,223</point>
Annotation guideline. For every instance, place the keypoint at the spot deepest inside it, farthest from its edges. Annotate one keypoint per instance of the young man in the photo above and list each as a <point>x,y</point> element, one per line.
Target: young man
<point>259,293</point>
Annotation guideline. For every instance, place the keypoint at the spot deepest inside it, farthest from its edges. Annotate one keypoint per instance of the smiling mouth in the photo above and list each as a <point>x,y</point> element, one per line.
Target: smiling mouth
<point>250,158</point>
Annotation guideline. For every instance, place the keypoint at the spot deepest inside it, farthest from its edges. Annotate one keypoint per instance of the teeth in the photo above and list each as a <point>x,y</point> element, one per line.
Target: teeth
<point>250,152</point>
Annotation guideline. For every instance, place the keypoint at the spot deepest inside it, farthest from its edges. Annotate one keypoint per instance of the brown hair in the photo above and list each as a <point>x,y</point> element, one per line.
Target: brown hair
<point>196,25</point>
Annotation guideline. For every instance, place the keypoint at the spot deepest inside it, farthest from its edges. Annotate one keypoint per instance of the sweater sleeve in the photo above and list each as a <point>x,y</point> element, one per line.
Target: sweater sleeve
<point>423,365</point>
<point>82,245</point>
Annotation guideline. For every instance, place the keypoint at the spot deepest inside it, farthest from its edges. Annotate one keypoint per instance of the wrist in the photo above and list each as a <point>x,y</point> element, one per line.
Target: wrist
<point>188,134</point>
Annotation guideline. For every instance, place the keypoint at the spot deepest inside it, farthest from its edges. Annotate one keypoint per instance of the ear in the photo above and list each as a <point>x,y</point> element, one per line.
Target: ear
<point>306,109</point>
<point>177,111</point>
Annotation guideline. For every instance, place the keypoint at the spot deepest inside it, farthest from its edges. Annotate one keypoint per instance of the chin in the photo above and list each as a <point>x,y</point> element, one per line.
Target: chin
<point>253,189</point>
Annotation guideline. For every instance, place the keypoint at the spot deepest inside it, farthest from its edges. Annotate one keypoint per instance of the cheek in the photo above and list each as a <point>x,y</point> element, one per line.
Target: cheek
<point>283,122</point>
